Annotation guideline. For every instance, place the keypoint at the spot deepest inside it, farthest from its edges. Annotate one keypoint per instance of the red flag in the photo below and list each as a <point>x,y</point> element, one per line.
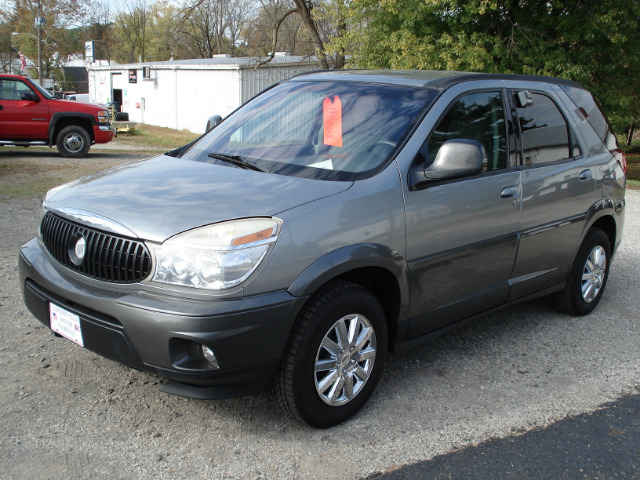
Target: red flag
<point>23,62</point>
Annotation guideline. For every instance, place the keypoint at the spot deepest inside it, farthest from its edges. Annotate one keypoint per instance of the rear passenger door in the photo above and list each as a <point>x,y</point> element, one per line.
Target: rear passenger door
<point>558,187</point>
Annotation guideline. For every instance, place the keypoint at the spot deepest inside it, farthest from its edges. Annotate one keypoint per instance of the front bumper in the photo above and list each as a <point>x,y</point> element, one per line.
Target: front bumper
<point>160,333</point>
<point>104,132</point>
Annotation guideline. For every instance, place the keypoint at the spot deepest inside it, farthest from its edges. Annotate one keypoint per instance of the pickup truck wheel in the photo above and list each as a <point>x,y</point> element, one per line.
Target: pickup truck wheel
<point>588,276</point>
<point>335,356</point>
<point>73,141</point>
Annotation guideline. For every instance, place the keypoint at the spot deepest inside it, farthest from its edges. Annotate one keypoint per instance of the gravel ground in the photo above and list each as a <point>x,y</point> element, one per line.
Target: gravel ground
<point>67,413</point>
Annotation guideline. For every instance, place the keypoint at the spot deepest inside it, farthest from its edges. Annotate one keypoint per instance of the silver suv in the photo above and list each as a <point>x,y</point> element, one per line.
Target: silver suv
<point>335,217</point>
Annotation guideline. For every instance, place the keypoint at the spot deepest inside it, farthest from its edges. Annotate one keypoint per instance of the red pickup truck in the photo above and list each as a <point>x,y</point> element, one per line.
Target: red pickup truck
<point>29,115</point>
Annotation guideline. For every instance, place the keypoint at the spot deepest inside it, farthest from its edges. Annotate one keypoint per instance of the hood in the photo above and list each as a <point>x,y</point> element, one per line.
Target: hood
<point>161,197</point>
<point>63,105</point>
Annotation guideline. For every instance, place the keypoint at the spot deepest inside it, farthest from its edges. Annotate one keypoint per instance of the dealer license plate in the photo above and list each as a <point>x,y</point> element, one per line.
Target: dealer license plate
<point>65,323</point>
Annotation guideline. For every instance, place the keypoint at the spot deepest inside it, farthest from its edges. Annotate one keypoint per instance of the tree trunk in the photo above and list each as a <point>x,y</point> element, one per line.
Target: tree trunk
<point>304,9</point>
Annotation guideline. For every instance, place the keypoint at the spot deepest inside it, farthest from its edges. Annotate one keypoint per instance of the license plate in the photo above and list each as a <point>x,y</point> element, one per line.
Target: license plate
<point>65,323</point>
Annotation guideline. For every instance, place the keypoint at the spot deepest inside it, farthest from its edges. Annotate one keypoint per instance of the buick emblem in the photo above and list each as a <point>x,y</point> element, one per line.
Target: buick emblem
<point>77,249</point>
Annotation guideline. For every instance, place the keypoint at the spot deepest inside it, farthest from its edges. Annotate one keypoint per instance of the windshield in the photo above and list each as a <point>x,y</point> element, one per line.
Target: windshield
<point>323,130</point>
<point>43,91</point>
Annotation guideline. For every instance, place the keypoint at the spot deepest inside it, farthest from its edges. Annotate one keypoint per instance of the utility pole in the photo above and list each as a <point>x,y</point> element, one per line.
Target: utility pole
<point>39,23</point>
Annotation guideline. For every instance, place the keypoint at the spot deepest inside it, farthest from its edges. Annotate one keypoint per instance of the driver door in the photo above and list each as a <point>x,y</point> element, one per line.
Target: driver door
<point>462,233</point>
<point>21,119</point>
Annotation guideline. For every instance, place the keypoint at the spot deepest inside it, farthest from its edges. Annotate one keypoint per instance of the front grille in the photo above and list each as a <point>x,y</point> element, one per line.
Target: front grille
<point>107,257</point>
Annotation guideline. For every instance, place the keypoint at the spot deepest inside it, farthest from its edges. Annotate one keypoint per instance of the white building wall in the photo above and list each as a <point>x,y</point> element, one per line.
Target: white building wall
<point>185,96</point>
<point>181,99</point>
<point>203,93</point>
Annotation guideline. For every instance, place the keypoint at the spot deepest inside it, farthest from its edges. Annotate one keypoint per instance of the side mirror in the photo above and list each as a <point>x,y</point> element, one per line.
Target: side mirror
<point>29,97</point>
<point>455,158</point>
<point>212,122</point>
<point>525,99</point>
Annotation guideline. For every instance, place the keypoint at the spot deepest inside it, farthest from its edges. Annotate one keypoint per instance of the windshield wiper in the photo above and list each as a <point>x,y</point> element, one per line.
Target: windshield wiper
<point>236,160</point>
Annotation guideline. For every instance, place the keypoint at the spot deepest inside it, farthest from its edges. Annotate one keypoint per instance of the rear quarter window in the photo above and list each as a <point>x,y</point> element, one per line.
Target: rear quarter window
<point>590,109</point>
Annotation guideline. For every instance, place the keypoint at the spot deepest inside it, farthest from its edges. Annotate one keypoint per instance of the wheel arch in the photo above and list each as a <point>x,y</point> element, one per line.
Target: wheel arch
<point>603,216</point>
<point>374,267</point>
<point>607,224</point>
<point>61,120</point>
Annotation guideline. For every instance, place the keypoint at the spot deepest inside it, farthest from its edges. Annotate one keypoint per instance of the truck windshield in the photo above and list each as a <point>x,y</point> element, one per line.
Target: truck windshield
<point>43,91</point>
<point>323,130</point>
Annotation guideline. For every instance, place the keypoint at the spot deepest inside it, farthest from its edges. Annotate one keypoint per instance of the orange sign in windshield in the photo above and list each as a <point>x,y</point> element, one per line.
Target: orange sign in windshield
<point>332,119</point>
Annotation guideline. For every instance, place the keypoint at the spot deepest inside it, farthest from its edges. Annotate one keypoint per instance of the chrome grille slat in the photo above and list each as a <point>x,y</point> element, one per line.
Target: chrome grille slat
<point>108,257</point>
<point>102,271</point>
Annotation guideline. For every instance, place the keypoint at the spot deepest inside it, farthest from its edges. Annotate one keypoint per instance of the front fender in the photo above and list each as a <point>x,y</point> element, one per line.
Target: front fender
<point>56,117</point>
<point>350,258</point>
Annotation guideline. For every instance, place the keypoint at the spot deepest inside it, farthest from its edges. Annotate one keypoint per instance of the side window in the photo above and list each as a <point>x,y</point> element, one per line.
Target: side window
<point>477,116</point>
<point>544,131</point>
<point>590,109</point>
<point>12,89</point>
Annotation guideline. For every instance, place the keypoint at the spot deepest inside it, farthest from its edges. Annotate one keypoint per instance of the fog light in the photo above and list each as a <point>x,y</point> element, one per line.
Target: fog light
<point>209,356</point>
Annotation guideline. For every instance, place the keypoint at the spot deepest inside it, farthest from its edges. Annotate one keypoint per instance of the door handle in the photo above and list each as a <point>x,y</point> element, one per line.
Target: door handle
<point>1,107</point>
<point>510,192</point>
<point>585,175</point>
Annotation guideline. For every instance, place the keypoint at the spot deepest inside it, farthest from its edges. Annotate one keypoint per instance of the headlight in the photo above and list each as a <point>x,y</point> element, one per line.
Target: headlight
<point>104,116</point>
<point>217,256</point>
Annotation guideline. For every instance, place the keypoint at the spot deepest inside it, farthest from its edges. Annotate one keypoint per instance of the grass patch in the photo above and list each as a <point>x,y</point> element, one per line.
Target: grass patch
<point>155,137</point>
<point>36,186</point>
<point>20,178</point>
<point>633,166</point>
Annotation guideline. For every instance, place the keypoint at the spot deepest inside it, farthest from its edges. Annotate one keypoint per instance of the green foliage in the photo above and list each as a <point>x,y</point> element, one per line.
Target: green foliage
<point>596,43</point>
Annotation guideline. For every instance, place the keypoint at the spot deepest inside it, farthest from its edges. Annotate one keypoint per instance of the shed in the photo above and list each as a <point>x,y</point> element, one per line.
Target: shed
<point>183,94</point>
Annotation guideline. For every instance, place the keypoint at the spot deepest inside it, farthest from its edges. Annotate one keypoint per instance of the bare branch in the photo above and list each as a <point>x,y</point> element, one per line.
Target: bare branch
<point>274,43</point>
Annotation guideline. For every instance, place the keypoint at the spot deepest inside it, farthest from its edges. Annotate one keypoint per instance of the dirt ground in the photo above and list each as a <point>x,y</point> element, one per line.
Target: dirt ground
<point>67,413</point>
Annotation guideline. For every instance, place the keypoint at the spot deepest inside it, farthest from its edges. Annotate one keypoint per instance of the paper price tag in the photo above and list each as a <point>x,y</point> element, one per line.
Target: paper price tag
<point>332,121</point>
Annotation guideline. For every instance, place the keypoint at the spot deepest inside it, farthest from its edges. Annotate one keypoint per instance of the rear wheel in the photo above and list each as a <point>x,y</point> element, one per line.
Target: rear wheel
<point>73,141</point>
<point>335,356</point>
<point>588,276</point>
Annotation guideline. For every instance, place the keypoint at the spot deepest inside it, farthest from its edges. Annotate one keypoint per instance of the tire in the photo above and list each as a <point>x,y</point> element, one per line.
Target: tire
<point>309,386</point>
<point>588,277</point>
<point>73,141</point>
<point>122,116</point>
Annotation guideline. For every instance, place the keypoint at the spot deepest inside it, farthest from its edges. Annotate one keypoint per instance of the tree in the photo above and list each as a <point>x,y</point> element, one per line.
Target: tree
<point>131,22</point>
<point>58,38</point>
<point>101,31</point>
<point>593,42</point>
<point>302,8</point>
<point>274,28</point>
<point>165,38</point>
<point>206,26</point>
<point>213,26</point>
<point>238,13</point>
